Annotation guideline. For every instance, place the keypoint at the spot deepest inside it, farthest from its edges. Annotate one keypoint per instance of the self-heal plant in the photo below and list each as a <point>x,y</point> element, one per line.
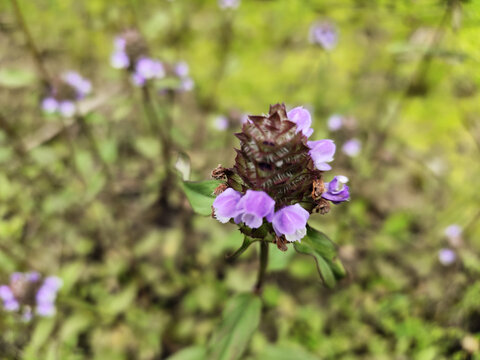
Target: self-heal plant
<point>276,183</point>
<point>30,293</point>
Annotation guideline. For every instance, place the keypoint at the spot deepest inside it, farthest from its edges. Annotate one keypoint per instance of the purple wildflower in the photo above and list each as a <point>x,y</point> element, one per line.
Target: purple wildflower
<point>302,118</point>
<point>49,105</point>
<point>225,205</point>
<point>228,4</point>
<point>181,69</point>
<point>321,152</point>
<point>221,123</point>
<point>291,221</point>
<point>324,34</point>
<point>335,122</point>
<point>119,60</point>
<point>453,231</point>
<point>82,86</point>
<point>336,190</point>
<point>352,147</point>
<point>10,303</point>
<point>253,207</point>
<point>46,295</point>
<point>446,256</point>
<point>66,108</point>
<point>186,84</point>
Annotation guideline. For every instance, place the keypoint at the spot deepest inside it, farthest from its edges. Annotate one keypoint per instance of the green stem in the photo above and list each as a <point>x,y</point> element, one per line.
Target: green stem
<point>263,267</point>
<point>31,44</point>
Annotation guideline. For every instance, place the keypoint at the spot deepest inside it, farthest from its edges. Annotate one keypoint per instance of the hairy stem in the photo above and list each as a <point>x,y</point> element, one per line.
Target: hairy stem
<point>263,267</point>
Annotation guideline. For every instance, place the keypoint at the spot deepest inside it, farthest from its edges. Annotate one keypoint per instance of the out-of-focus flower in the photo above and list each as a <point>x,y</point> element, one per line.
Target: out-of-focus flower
<point>221,123</point>
<point>324,34</point>
<point>187,84</point>
<point>27,291</point>
<point>253,207</point>
<point>321,152</point>
<point>352,147</point>
<point>453,231</point>
<point>147,69</point>
<point>228,4</point>
<point>291,221</point>
<point>302,118</point>
<point>336,190</point>
<point>182,69</point>
<point>446,256</point>
<point>225,205</point>
<point>64,94</point>
<point>335,122</point>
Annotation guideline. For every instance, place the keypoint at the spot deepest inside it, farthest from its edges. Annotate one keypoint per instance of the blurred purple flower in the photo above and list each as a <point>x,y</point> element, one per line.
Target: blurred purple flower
<point>253,207</point>
<point>119,60</point>
<point>228,4</point>
<point>182,69</point>
<point>149,69</point>
<point>336,190</point>
<point>187,84</point>
<point>80,84</point>
<point>49,105</point>
<point>291,221</point>
<point>302,118</point>
<point>46,295</point>
<point>352,147</point>
<point>453,231</point>
<point>221,123</point>
<point>321,152</point>
<point>335,122</point>
<point>446,256</point>
<point>9,301</point>
<point>324,34</point>
<point>225,205</point>
<point>66,108</point>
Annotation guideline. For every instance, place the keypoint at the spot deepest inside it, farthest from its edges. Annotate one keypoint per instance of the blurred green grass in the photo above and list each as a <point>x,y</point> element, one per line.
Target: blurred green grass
<point>137,290</point>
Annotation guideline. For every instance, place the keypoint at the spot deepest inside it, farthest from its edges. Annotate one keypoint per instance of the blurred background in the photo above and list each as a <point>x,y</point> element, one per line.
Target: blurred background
<point>95,198</point>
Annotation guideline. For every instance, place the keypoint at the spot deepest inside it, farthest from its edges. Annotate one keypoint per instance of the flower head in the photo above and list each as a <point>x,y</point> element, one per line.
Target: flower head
<point>324,34</point>
<point>352,147</point>
<point>228,4</point>
<point>453,231</point>
<point>291,221</point>
<point>337,191</point>
<point>321,152</point>
<point>302,118</point>
<point>225,205</point>
<point>335,122</point>
<point>446,256</point>
<point>253,207</point>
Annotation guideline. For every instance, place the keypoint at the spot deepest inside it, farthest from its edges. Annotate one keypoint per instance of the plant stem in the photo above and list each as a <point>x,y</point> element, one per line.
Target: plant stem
<point>263,267</point>
<point>94,144</point>
<point>31,44</point>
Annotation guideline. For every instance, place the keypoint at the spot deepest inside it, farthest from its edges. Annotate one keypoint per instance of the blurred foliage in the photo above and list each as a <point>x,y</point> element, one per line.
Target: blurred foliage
<point>144,278</point>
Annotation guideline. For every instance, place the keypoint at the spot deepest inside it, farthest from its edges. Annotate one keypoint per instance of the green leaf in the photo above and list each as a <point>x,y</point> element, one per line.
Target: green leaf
<point>240,320</point>
<point>15,78</point>
<point>190,353</point>
<point>284,352</point>
<point>318,245</point>
<point>200,194</point>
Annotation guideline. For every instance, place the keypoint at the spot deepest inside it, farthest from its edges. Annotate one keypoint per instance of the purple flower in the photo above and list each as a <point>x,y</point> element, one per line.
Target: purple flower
<point>181,69</point>
<point>447,256</point>
<point>225,205</point>
<point>352,147</point>
<point>119,43</point>
<point>149,68</point>
<point>9,301</point>
<point>302,118</point>
<point>453,231</point>
<point>49,105</point>
<point>335,122</point>
<point>66,108</point>
<point>253,207</point>
<point>228,4</point>
<point>324,34</point>
<point>119,60</point>
<point>46,296</point>
<point>187,84</point>
<point>138,80</point>
<point>321,152</point>
<point>80,84</point>
<point>337,191</point>
<point>221,123</point>
<point>291,221</point>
